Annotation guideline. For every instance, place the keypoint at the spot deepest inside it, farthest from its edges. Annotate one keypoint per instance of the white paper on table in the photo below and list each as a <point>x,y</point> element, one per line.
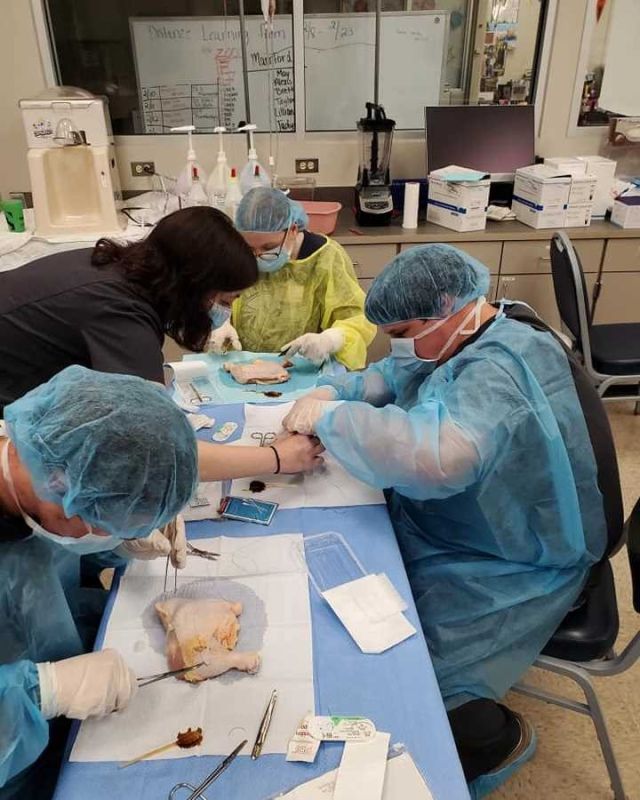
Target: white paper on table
<point>370,608</point>
<point>362,769</point>
<point>403,781</point>
<point>329,486</point>
<point>228,708</point>
<point>205,502</point>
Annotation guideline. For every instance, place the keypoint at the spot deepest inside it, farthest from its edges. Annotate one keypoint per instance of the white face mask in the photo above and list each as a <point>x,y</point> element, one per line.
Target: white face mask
<point>85,545</point>
<point>404,349</point>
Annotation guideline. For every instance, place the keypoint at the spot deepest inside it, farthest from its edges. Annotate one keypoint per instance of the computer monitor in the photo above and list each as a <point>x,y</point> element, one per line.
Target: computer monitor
<point>493,139</point>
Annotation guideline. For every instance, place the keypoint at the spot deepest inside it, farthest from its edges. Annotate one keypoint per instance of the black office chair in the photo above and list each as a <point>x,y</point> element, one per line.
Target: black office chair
<point>610,353</point>
<point>584,643</point>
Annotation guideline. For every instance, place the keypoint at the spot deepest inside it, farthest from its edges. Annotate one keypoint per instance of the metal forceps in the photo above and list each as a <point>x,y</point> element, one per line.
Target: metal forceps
<point>147,680</point>
<point>265,439</point>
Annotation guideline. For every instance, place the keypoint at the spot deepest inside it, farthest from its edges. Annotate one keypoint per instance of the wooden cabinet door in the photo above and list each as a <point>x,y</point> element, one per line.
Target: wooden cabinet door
<point>535,290</point>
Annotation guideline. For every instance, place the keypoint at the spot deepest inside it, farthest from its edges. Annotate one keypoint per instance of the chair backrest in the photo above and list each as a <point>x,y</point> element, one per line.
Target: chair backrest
<point>571,291</point>
<point>633,549</point>
<point>599,430</point>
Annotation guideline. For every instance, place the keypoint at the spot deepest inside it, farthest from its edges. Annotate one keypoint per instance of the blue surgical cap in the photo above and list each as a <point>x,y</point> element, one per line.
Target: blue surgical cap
<point>427,282</point>
<point>269,210</point>
<point>112,449</point>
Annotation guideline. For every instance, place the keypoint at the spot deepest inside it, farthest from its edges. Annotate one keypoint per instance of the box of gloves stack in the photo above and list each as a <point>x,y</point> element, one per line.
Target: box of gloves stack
<point>626,209</point>
<point>540,196</point>
<point>557,194</point>
<point>604,171</point>
<point>582,191</point>
<point>458,198</point>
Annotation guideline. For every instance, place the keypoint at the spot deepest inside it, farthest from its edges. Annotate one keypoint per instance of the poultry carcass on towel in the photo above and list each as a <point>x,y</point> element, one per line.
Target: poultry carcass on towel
<point>257,371</point>
<point>204,630</point>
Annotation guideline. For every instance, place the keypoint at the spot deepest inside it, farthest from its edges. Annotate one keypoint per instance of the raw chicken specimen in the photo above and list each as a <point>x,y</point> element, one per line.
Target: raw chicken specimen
<point>204,630</point>
<point>257,372</point>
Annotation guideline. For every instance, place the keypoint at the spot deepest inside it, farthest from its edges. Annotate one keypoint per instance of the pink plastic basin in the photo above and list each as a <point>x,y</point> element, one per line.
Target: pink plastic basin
<point>323,217</point>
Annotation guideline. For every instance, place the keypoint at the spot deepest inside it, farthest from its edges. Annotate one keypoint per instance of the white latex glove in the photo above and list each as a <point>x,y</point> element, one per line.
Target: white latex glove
<point>305,414</point>
<point>317,347</point>
<point>170,541</point>
<point>223,339</point>
<point>91,685</point>
<point>323,393</point>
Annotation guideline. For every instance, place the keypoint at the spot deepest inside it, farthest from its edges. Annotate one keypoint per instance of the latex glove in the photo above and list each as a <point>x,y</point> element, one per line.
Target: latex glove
<point>305,414</point>
<point>317,347</point>
<point>170,541</point>
<point>323,393</point>
<point>91,685</point>
<point>223,339</point>
<point>298,453</point>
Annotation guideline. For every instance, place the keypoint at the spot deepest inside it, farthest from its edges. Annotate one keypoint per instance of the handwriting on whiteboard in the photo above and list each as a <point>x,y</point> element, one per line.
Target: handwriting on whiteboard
<point>190,72</point>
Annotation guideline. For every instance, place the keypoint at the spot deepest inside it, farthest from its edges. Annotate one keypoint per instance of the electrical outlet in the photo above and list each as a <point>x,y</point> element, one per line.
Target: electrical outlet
<point>141,169</point>
<point>307,165</point>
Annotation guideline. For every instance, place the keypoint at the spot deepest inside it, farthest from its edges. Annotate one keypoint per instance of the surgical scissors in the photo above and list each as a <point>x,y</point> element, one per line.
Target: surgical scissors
<point>265,439</point>
<point>196,791</point>
<point>194,551</point>
<point>191,551</point>
<point>199,398</point>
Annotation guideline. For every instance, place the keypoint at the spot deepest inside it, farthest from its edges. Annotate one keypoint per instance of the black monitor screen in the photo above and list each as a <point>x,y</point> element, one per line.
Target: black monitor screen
<point>494,139</point>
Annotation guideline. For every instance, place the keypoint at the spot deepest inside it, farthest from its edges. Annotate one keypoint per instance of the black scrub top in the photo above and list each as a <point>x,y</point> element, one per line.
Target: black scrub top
<point>60,310</point>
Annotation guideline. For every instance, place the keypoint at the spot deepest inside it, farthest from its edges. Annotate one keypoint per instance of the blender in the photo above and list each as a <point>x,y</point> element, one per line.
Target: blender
<point>374,204</point>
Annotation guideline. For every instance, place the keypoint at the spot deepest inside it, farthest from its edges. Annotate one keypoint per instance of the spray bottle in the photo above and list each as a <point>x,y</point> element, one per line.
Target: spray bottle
<point>233,197</point>
<point>197,195</point>
<point>185,179</point>
<point>218,182</point>
<point>248,174</point>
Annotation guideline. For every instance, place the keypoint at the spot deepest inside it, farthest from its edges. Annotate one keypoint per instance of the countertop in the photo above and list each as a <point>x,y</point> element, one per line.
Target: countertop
<point>428,232</point>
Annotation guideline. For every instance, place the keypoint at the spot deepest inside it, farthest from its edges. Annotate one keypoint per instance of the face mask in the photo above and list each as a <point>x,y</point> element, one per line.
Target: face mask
<point>405,349</point>
<point>219,314</point>
<point>273,265</point>
<point>85,545</point>
<point>275,259</point>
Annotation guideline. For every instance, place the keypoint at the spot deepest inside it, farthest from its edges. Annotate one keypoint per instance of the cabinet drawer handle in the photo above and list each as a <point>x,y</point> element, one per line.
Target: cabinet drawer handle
<point>505,288</point>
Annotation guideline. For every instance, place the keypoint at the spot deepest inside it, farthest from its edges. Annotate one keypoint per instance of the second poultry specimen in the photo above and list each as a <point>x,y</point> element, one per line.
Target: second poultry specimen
<point>257,371</point>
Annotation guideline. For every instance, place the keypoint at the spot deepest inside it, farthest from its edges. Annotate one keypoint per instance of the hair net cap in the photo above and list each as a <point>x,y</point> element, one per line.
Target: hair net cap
<point>268,210</point>
<point>112,449</point>
<point>432,281</point>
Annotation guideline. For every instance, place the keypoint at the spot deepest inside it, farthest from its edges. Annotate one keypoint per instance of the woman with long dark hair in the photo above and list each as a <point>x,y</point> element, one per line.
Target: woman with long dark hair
<point>108,308</point>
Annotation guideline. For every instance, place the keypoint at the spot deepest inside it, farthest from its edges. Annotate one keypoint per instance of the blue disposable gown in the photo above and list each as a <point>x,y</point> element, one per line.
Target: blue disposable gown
<point>493,495</point>
<point>44,616</point>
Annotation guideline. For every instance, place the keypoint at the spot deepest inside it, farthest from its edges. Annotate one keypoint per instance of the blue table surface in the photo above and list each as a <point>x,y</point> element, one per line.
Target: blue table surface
<point>222,388</point>
<point>397,689</point>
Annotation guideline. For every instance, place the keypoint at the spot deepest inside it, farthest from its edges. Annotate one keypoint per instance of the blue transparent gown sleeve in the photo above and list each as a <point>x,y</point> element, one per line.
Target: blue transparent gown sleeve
<point>24,732</point>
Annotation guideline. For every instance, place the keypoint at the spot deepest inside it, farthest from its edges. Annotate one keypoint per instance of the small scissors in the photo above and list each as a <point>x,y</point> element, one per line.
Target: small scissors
<point>199,398</point>
<point>194,551</point>
<point>265,439</point>
<point>191,551</point>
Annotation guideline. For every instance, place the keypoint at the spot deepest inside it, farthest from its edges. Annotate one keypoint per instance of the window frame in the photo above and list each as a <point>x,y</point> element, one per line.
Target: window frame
<point>542,56</point>
<point>588,26</point>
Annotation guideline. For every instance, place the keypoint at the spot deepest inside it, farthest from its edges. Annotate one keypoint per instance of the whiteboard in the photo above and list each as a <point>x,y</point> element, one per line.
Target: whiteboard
<point>339,60</point>
<point>189,72</point>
